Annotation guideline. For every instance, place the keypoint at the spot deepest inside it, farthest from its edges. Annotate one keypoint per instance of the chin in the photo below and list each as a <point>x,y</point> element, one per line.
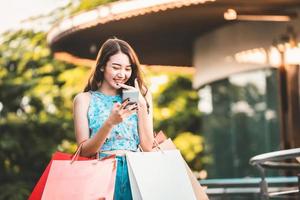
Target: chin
<point>115,86</point>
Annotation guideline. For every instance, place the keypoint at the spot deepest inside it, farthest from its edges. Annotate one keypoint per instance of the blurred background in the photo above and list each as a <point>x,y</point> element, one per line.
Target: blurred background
<point>224,77</point>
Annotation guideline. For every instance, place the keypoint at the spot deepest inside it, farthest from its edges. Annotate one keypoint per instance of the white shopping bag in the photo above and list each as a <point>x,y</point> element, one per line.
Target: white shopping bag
<point>200,194</point>
<point>159,175</point>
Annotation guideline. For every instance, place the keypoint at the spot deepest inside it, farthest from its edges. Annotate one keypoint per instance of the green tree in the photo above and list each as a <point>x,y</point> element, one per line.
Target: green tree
<point>36,93</point>
<point>88,5</point>
<point>35,101</point>
<point>176,113</point>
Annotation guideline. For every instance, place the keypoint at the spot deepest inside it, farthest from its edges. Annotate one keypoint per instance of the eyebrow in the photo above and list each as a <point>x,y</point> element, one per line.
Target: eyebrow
<point>120,65</point>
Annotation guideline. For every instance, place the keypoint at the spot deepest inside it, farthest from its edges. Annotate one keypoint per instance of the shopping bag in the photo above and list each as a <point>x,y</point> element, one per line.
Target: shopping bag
<point>37,192</point>
<point>166,144</point>
<point>158,175</point>
<point>159,137</point>
<point>86,179</point>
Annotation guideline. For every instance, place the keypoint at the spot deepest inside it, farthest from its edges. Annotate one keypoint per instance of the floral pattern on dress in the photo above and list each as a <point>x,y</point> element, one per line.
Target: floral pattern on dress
<point>124,136</point>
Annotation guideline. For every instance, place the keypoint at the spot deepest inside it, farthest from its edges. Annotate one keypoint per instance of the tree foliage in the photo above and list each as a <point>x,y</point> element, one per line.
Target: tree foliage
<point>176,113</point>
<point>88,5</point>
<point>35,101</point>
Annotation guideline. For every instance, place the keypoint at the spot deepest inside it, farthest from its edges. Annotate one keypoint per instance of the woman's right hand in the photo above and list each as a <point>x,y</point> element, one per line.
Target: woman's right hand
<point>120,112</point>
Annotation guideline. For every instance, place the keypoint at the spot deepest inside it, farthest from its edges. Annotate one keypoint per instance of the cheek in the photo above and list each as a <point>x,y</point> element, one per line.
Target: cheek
<point>128,74</point>
<point>111,74</point>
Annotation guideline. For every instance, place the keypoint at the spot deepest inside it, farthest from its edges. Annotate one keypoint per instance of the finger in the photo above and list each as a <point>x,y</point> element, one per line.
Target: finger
<point>130,112</point>
<point>124,104</point>
<point>136,84</point>
<point>132,106</point>
<point>128,87</point>
<point>129,108</point>
<point>127,99</point>
<point>116,105</point>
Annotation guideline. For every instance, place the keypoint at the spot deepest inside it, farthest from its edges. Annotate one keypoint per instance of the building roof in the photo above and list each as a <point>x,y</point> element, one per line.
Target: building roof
<point>161,31</point>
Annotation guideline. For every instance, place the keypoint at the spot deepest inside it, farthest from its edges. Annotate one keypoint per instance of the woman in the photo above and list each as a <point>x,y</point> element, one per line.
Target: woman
<point>103,122</point>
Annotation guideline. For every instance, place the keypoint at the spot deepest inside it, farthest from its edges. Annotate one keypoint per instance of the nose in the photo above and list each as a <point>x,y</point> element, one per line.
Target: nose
<point>121,74</point>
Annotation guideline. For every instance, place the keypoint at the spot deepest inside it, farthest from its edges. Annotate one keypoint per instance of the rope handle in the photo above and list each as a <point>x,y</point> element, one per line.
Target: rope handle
<point>156,146</point>
<point>79,149</point>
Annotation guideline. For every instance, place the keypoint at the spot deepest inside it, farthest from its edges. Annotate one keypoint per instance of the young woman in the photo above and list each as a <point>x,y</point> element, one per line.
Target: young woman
<point>105,123</point>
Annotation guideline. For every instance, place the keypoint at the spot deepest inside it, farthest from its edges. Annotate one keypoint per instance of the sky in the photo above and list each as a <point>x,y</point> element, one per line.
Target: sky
<point>12,12</point>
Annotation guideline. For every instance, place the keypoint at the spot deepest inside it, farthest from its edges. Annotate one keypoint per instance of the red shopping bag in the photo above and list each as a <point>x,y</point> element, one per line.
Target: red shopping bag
<point>39,187</point>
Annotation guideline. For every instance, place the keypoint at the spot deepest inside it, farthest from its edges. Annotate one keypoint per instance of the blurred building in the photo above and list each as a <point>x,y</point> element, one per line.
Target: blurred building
<point>246,55</point>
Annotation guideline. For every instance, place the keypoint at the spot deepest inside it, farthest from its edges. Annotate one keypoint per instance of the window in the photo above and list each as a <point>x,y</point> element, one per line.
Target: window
<point>240,120</point>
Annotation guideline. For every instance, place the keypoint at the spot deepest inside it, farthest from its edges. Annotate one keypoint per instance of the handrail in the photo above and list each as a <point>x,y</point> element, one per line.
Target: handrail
<point>275,156</point>
<point>271,160</point>
<point>247,181</point>
<point>280,165</point>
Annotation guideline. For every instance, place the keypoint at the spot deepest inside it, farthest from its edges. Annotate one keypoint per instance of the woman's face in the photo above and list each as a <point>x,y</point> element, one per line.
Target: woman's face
<point>118,70</point>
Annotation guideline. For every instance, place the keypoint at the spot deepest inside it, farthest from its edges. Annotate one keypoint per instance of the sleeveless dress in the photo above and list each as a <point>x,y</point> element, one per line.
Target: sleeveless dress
<point>124,136</point>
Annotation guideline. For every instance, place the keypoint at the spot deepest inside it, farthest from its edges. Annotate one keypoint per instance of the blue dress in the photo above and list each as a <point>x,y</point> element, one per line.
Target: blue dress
<point>124,136</point>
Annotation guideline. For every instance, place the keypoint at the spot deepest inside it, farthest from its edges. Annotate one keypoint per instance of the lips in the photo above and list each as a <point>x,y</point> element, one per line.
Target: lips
<point>118,81</point>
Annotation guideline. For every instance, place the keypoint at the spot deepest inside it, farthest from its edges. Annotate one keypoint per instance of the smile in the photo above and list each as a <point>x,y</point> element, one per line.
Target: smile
<point>119,81</point>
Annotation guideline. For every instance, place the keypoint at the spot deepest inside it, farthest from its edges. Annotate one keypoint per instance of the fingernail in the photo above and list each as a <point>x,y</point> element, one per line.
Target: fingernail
<point>125,100</point>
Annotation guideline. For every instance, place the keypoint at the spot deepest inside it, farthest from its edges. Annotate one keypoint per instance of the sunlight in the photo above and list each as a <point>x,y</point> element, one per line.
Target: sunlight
<point>292,55</point>
<point>258,56</point>
<point>205,102</point>
<point>1,106</point>
<point>156,82</point>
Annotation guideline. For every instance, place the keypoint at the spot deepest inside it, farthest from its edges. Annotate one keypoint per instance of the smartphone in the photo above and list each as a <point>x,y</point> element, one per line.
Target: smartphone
<point>133,96</point>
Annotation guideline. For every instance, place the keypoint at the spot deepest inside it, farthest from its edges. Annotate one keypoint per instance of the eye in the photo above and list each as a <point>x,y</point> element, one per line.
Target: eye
<point>116,67</point>
<point>128,68</point>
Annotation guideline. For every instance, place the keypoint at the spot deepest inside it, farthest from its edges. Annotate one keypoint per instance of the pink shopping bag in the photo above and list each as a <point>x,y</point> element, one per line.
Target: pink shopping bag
<point>40,185</point>
<point>77,180</point>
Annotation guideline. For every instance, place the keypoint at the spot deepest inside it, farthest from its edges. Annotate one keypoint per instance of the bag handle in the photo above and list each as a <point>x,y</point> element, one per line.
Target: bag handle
<point>77,152</point>
<point>157,141</point>
<point>156,145</point>
<point>79,149</point>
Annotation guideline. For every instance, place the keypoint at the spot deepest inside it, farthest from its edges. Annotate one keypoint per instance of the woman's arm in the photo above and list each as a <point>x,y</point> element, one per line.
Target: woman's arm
<point>145,117</point>
<point>80,109</point>
<point>145,122</point>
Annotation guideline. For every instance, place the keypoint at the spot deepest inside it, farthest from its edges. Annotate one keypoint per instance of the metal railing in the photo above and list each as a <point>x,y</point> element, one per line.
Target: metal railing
<point>276,160</point>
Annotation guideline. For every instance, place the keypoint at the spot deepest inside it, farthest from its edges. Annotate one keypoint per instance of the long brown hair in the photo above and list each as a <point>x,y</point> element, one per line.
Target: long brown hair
<point>109,48</point>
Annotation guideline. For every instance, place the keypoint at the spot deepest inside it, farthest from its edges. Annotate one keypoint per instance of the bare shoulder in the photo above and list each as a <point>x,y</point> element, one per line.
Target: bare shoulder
<point>82,98</point>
